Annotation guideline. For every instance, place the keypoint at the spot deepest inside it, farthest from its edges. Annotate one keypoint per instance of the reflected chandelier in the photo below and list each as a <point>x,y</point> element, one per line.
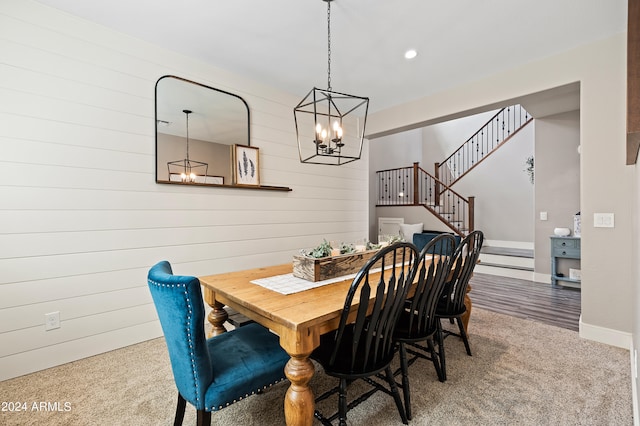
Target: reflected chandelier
<point>186,167</point>
<point>330,125</point>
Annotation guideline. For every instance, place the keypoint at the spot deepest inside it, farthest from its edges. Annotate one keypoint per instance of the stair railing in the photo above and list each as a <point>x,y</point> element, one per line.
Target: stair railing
<point>501,127</point>
<point>413,186</point>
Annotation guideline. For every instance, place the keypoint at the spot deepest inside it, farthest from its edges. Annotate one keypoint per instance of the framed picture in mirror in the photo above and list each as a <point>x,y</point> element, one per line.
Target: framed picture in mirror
<point>245,165</point>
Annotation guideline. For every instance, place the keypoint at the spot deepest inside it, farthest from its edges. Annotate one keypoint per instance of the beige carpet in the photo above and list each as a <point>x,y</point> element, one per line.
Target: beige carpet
<point>521,373</point>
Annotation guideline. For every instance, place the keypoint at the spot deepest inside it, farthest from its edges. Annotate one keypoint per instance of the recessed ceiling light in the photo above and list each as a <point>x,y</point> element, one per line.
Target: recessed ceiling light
<point>410,54</point>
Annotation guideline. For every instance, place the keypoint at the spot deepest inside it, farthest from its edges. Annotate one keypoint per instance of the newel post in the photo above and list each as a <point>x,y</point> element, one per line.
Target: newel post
<point>437,183</point>
<point>471,213</point>
<point>415,183</point>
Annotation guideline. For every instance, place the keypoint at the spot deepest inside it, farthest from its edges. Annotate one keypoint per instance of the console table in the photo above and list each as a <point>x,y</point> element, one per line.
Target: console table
<point>563,248</point>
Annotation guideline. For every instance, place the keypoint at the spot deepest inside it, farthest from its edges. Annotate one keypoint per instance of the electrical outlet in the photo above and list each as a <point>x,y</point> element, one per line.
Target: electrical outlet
<point>543,216</point>
<point>52,321</point>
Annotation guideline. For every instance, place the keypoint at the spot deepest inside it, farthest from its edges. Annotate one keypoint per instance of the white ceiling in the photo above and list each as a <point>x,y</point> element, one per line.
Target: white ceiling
<point>283,43</point>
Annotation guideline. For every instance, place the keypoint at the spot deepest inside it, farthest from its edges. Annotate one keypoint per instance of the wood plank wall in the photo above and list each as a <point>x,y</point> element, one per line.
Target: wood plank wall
<point>81,217</point>
<point>633,81</point>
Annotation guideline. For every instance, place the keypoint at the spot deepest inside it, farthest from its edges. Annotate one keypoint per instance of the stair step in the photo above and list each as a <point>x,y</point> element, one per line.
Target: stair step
<point>505,272</point>
<point>507,251</point>
<point>499,265</point>
<point>507,261</point>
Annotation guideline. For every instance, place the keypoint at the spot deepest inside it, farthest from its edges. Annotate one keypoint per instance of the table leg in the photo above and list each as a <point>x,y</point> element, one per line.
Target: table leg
<point>299,401</point>
<point>217,316</point>
<point>469,306</point>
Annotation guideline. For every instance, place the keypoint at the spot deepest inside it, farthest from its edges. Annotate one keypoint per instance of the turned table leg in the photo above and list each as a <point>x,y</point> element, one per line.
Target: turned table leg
<point>218,316</point>
<point>299,401</point>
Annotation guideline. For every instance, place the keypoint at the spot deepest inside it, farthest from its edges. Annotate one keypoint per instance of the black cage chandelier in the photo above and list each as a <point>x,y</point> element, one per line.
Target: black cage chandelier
<point>186,168</point>
<point>330,125</point>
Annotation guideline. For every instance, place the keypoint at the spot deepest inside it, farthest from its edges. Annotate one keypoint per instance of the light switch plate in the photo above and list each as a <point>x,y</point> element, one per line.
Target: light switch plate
<point>603,220</point>
<point>543,216</point>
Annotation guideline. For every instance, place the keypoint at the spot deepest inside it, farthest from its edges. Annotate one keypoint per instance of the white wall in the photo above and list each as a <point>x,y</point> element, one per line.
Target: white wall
<point>82,219</point>
<point>395,151</point>
<point>442,139</point>
<point>557,170</point>
<point>607,185</point>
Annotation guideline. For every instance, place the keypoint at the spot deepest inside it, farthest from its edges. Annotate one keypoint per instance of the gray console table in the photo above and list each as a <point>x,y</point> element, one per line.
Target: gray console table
<point>567,248</point>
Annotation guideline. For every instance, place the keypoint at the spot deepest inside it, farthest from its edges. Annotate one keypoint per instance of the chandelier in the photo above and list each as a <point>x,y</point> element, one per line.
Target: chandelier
<point>330,125</point>
<point>186,168</point>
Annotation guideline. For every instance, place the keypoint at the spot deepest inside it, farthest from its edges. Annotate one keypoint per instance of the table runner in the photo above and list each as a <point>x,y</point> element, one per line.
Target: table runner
<point>288,284</point>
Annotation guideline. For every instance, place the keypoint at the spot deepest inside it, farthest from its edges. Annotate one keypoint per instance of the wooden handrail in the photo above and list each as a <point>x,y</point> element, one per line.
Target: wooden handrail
<point>494,150</point>
<point>394,184</point>
<point>495,132</point>
<point>479,130</point>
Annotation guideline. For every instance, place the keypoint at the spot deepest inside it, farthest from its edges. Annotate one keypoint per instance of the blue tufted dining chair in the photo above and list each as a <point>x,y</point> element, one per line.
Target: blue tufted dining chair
<point>210,373</point>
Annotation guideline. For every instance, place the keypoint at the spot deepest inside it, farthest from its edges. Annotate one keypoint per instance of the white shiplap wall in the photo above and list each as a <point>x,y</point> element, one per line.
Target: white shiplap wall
<point>81,218</point>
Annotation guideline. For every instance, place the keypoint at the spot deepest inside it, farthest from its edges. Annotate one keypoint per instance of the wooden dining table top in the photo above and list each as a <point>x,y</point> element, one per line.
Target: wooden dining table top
<point>318,308</point>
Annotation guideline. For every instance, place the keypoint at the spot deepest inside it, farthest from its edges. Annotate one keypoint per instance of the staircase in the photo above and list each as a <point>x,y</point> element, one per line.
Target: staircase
<point>413,186</point>
<point>506,261</point>
<point>495,133</point>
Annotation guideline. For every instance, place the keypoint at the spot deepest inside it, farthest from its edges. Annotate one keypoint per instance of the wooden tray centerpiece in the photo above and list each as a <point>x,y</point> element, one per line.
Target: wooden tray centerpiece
<point>325,262</point>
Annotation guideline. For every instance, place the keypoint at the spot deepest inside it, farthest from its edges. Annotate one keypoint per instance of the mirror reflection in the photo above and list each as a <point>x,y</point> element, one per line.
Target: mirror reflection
<point>195,127</point>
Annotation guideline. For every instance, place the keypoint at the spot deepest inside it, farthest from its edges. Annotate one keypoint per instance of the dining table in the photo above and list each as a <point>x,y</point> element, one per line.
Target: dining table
<point>299,318</point>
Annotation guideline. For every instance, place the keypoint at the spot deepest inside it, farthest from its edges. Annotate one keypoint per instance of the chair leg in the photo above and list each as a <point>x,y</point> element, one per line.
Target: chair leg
<point>203,418</point>
<point>405,380</point>
<point>434,359</point>
<point>342,403</point>
<point>182,403</point>
<point>443,362</point>
<point>396,395</point>
<point>463,334</point>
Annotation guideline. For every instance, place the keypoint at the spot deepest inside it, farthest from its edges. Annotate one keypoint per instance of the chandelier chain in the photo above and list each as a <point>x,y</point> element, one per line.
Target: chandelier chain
<point>329,45</point>
<point>187,114</point>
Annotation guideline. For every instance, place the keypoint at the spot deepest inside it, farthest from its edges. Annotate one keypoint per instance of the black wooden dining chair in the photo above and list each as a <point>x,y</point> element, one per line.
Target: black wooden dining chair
<point>451,305</point>
<point>417,324</point>
<point>363,347</point>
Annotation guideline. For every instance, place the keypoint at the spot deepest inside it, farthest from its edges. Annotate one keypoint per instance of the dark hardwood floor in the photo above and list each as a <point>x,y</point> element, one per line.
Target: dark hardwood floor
<point>558,306</point>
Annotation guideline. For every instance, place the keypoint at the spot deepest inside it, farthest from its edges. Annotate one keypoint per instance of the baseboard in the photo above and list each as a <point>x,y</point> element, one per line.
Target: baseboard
<point>53,355</point>
<point>509,244</point>
<point>634,386</point>
<point>605,335</point>
<point>542,278</point>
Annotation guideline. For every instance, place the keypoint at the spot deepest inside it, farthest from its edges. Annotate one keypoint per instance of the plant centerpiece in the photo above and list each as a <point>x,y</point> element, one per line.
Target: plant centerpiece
<point>319,264</point>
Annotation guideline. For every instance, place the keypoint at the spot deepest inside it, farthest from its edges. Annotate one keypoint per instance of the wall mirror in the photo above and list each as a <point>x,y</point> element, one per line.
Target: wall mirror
<point>195,128</point>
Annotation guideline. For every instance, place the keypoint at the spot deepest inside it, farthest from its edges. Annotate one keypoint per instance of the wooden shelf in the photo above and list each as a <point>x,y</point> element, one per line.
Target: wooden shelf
<point>215,185</point>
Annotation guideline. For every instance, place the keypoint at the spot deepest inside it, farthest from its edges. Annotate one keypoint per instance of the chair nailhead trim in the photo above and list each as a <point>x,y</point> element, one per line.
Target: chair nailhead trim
<point>220,407</point>
<point>190,337</point>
